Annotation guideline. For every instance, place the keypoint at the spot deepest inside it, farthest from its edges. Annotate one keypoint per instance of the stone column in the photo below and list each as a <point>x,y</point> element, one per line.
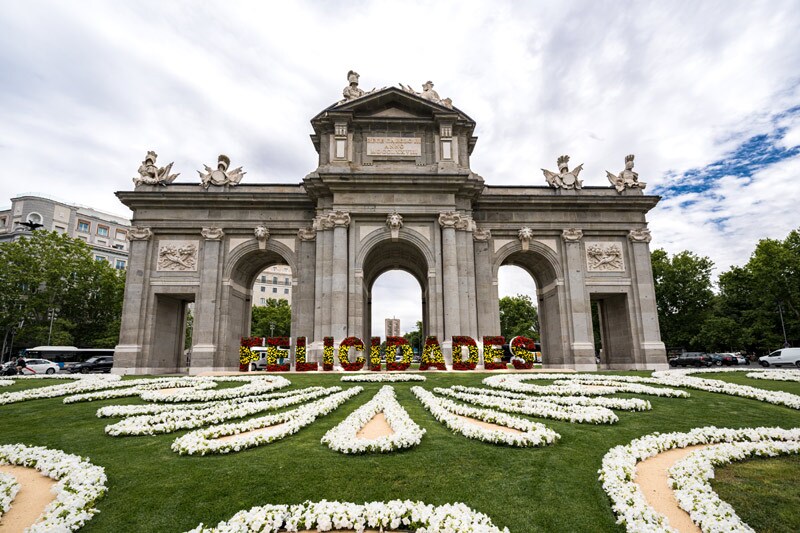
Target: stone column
<point>452,311</point>
<point>339,274</point>
<point>128,353</point>
<point>304,291</point>
<point>326,278</point>
<point>485,286</point>
<point>579,306</point>
<point>655,354</point>
<point>204,343</point>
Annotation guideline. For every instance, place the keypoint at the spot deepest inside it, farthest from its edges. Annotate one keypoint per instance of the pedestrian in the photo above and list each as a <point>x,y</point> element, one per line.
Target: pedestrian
<point>21,364</point>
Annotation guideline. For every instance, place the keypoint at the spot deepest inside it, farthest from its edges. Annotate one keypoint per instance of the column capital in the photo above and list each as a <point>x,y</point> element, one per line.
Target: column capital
<point>640,235</point>
<point>212,233</point>
<point>449,219</point>
<point>339,218</point>
<point>483,235</point>
<point>572,235</point>
<point>465,223</point>
<point>139,233</point>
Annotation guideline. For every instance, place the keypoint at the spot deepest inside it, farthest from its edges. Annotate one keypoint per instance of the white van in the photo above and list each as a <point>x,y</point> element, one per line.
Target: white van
<point>784,356</point>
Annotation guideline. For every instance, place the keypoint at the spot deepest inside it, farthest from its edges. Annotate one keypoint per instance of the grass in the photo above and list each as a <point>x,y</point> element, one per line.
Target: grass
<point>548,489</point>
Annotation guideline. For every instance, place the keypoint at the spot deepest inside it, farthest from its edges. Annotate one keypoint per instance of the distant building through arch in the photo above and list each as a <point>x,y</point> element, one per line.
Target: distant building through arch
<point>393,190</point>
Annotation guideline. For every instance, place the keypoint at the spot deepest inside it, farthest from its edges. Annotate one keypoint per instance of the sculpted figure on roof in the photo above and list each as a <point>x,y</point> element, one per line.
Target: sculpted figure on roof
<point>627,179</point>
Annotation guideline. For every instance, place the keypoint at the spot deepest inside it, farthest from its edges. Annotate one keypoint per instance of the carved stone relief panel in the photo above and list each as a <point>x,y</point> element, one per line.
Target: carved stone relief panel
<point>604,257</point>
<point>177,256</point>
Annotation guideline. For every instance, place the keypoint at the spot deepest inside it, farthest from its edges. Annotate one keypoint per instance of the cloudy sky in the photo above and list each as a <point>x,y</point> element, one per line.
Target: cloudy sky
<point>706,94</point>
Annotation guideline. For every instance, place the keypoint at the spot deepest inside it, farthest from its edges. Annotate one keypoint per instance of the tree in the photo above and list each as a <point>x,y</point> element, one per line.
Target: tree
<point>277,312</point>
<point>49,278</point>
<point>683,296</point>
<point>518,316</point>
<point>414,338</point>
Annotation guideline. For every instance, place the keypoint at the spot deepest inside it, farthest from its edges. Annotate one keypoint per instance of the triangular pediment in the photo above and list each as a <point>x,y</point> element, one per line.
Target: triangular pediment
<point>394,112</point>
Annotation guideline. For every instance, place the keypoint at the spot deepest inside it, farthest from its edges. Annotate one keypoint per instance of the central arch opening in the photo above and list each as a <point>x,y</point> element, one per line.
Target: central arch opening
<point>396,286</point>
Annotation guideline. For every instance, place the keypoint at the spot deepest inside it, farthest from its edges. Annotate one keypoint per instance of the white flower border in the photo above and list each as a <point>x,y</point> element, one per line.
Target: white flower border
<point>143,386</point>
<point>203,441</point>
<point>80,485</point>
<point>79,385</point>
<point>533,433</point>
<point>382,378</point>
<point>623,404</point>
<point>8,491</point>
<point>533,407</point>
<point>579,385</point>
<point>252,387</point>
<point>197,415</point>
<point>331,515</point>
<point>342,438</point>
<point>618,471</point>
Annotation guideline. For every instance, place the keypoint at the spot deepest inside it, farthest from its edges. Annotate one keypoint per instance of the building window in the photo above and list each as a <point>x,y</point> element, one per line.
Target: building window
<point>120,264</point>
<point>285,281</point>
<point>83,226</point>
<point>102,231</point>
<point>61,229</point>
<point>263,279</point>
<point>263,289</point>
<point>34,218</point>
<point>274,290</point>
<point>102,241</point>
<point>275,280</point>
<point>263,301</point>
<point>100,258</point>
<point>285,291</point>
<point>121,235</point>
<point>118,246</point>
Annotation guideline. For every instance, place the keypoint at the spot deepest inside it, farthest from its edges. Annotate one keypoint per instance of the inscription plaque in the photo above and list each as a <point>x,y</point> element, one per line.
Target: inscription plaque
<point>394,146</point>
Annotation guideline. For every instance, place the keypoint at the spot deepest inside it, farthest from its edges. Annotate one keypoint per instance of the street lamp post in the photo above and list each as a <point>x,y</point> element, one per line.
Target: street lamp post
<point>52,313</point>
<point>783,326</point>
<point>272,329</point>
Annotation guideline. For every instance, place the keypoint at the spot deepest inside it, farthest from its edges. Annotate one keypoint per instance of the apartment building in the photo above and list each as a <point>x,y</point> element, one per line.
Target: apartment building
<point>275,282</point>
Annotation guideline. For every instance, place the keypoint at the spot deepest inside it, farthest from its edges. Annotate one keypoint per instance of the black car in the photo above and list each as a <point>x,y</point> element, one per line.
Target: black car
<point>93,364</point>
<point>691,359</point>
<point>726,359</point>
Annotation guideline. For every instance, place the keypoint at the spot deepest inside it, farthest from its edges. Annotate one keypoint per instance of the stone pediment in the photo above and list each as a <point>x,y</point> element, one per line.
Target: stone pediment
<point>394,112</point>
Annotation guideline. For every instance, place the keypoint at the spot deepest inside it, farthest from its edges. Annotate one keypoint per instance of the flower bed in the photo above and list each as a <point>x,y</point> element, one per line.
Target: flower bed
<point>86,384</point>
<point>491,352</point>
<point>580,385</point>
<point>618,470</point>
<point>533,433</point>
<point>344,354</point>
<point>327,516</point>
<point>383,378</point>
<point>80,485</point>
<point>392,343</point>
<point>255,386</point>
<point>343,438</point>
<point>195,416</point>
<point>375,354</point>
<point>143,386</point>
<point>472,347</point>
<point>204,441</point>
<point>8,491</point>
<point>432,356</point>
<point>300,363</point>
<point>624,404</point>
<point>327,354</point>
<point>524,351</point>
<point>543,409</point>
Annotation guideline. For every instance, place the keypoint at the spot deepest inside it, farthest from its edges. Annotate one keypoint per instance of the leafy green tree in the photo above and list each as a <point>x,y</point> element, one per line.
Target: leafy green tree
<point>414,338</point>
<point>683,296</point>
<point>277,312</point>
<point>518,316</point>
<point>48,273</point>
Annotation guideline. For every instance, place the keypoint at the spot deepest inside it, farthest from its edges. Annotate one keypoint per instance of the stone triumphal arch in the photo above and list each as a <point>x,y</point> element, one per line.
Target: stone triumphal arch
<point>393,190</point>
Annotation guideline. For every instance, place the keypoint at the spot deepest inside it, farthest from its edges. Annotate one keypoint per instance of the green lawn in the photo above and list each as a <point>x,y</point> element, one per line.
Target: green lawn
<point>548,489</point>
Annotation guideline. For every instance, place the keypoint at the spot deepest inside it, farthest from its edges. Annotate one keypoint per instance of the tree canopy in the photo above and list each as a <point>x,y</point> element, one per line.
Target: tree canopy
<point>49,273</point>
<point>518,316</point>
<point>277,312</point>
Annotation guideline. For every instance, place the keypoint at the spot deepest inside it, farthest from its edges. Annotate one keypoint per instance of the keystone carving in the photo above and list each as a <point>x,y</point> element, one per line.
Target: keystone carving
<point>262,235</point>
<point>212,234</point>
<point>639,235</point>
<point>139,233</point>
<point>221,176</point>
<point>449,219</point>
<point>150,174</point>
<point>394,221</point>
<point>525,235</point>
<point>604,257</point>
<point>564,178</point>
<point>627,179</point>
<point>572,235</point>
<point>177,257</point>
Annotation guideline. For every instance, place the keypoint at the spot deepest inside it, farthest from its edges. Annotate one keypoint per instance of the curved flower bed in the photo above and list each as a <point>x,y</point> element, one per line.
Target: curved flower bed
<point>383,378</point>
<point>578,385</point>
<point>342,438</point>
<point>445,411</point>
<point>533,407</point>
<point>200,415</point>
<point>775,375</point>
<point>6,383</point>
<point>618,471</point>
<point>205,441</point>
<point>256,385</point>
<point>152,385</point>
<point>80,485</point>
<point>327,516</point>
<point>86,384</point>
<point>8,491</point>
<point>624,404</point>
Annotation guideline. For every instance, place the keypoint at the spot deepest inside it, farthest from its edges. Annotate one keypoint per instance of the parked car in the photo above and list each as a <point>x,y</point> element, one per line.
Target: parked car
<point>691,359</point>
<point>720,359</point>
<point>93,364</point>
<point>40,366</point>
<point>261,364</point>
<point>784,356</point>
<point>742,359</point>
